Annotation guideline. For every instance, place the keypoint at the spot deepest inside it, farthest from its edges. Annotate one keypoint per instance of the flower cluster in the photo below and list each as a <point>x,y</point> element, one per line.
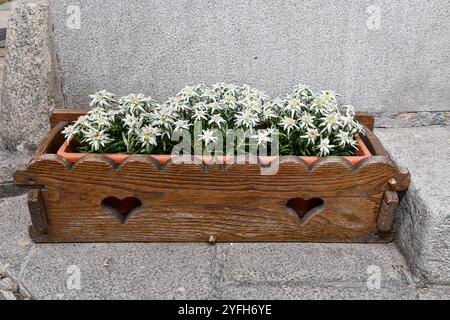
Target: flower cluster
<point>304,123</point>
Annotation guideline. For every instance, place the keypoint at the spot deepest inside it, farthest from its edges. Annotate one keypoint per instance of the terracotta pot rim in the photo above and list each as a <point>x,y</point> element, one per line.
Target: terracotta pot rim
<point>363,152</point>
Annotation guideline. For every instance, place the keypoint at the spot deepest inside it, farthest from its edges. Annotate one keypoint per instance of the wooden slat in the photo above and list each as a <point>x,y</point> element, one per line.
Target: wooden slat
<point>37,210</point>
<point>63,115</point>
<point>366,119</point>
<point>386,214</point>
<point>188,203</point>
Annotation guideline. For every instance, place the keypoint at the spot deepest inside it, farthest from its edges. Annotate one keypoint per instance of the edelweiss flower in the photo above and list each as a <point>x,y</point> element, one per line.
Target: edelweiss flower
<point>230,100</point>
<point>247,119</point>
<point>269,113</point>
<point>288,124</point>
<point>262,136</point>
<point>302,92</point>
<point>217,120</point>
<point>213,106</point>
<point>330,122</point>
<point>148,136</point>
<point>199,115</point>
<point>345,138</point>
<point>311,135</point>
<point>293,106</point>
<point>207,136</point>
<point>133,122</point>
<point>181,124</point>
<point>96,138</point>
<point>325,147</point>
<point>307,120</point>
<point>102,98</point>
<point>70,131</point>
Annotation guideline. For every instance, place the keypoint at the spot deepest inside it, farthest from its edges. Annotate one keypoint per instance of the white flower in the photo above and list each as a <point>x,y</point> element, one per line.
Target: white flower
<point>311,135</point>
<point>216,119</point>
<point>253,105</point>
<point>344,138</point>
<point>328,96</point>
<point>84,121</point>
<point>330,122</point>
<point>247,119</point>
<point>307,120</point>
<point>207,136</point>
<point>70,131</point>
<point>302,92</point>
<point>349,110</point>
<point>269,113</point>
<point>102,98</point>
<point>135,103</point>
<point>189,91</point>
<point>288,124</point>
<point>96,138</point>
<point>199,115</point>
<point>229,100</point>
<point>325,147</point>
<point>148,135</point>
<point>133,122</point>
<point>164,117</point>
<point>262,136</point>
<point>213,106</point>
<point>293,106</point>
<point>181,124</point>
<point>101,120</point>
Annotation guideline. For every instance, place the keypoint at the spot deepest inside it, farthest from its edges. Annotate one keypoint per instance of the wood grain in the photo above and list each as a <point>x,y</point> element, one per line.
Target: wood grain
<point>37,210</point>
<point>386,214</point>
<point>209,202</point>
<point>187,203</point>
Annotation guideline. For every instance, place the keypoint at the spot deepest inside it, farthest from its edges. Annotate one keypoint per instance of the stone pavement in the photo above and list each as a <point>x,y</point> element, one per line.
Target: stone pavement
<point>201,271</point>
<point>251,270</point>
<point>416,266</point>
<point>424,214</point>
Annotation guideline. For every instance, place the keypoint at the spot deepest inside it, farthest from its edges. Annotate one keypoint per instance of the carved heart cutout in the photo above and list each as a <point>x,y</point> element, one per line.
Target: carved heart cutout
<point>304,209</point>
<point>122,209</point>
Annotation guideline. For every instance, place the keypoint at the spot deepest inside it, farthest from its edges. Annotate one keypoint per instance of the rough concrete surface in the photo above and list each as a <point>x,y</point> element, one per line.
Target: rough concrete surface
<point>9,159</point>
<point>193,271</point>
<point>424,214</point>
<point>387,56</point>
<point>29,86</point>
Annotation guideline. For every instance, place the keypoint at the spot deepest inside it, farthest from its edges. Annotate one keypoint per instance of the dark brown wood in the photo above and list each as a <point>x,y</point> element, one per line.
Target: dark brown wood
<point>62,115</point>
<point>37,211</point>
<point>401,181</point>
<point>366,119</point>
<point>373,143</point>
<point>386,213</point>
<point>140,200</point>
<point>51,141</point>
<point>187,203</point>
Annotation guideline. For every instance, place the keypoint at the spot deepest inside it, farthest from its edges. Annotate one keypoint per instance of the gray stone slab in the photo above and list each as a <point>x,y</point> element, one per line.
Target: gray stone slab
<point>15,244</point>
<point>157,47</point>
<point>9,160</point>
<point>199,271</point>
<point>30,88</point>
<point>424,214</point>
<point>108,271</point>
<point>435,293</point>
<point>310,264</point>
<point>4,16</point>
<point>119,271</point>
<point>317,292</point>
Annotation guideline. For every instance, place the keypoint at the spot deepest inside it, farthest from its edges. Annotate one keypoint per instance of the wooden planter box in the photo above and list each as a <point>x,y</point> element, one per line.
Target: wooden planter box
<point>142,200</point>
